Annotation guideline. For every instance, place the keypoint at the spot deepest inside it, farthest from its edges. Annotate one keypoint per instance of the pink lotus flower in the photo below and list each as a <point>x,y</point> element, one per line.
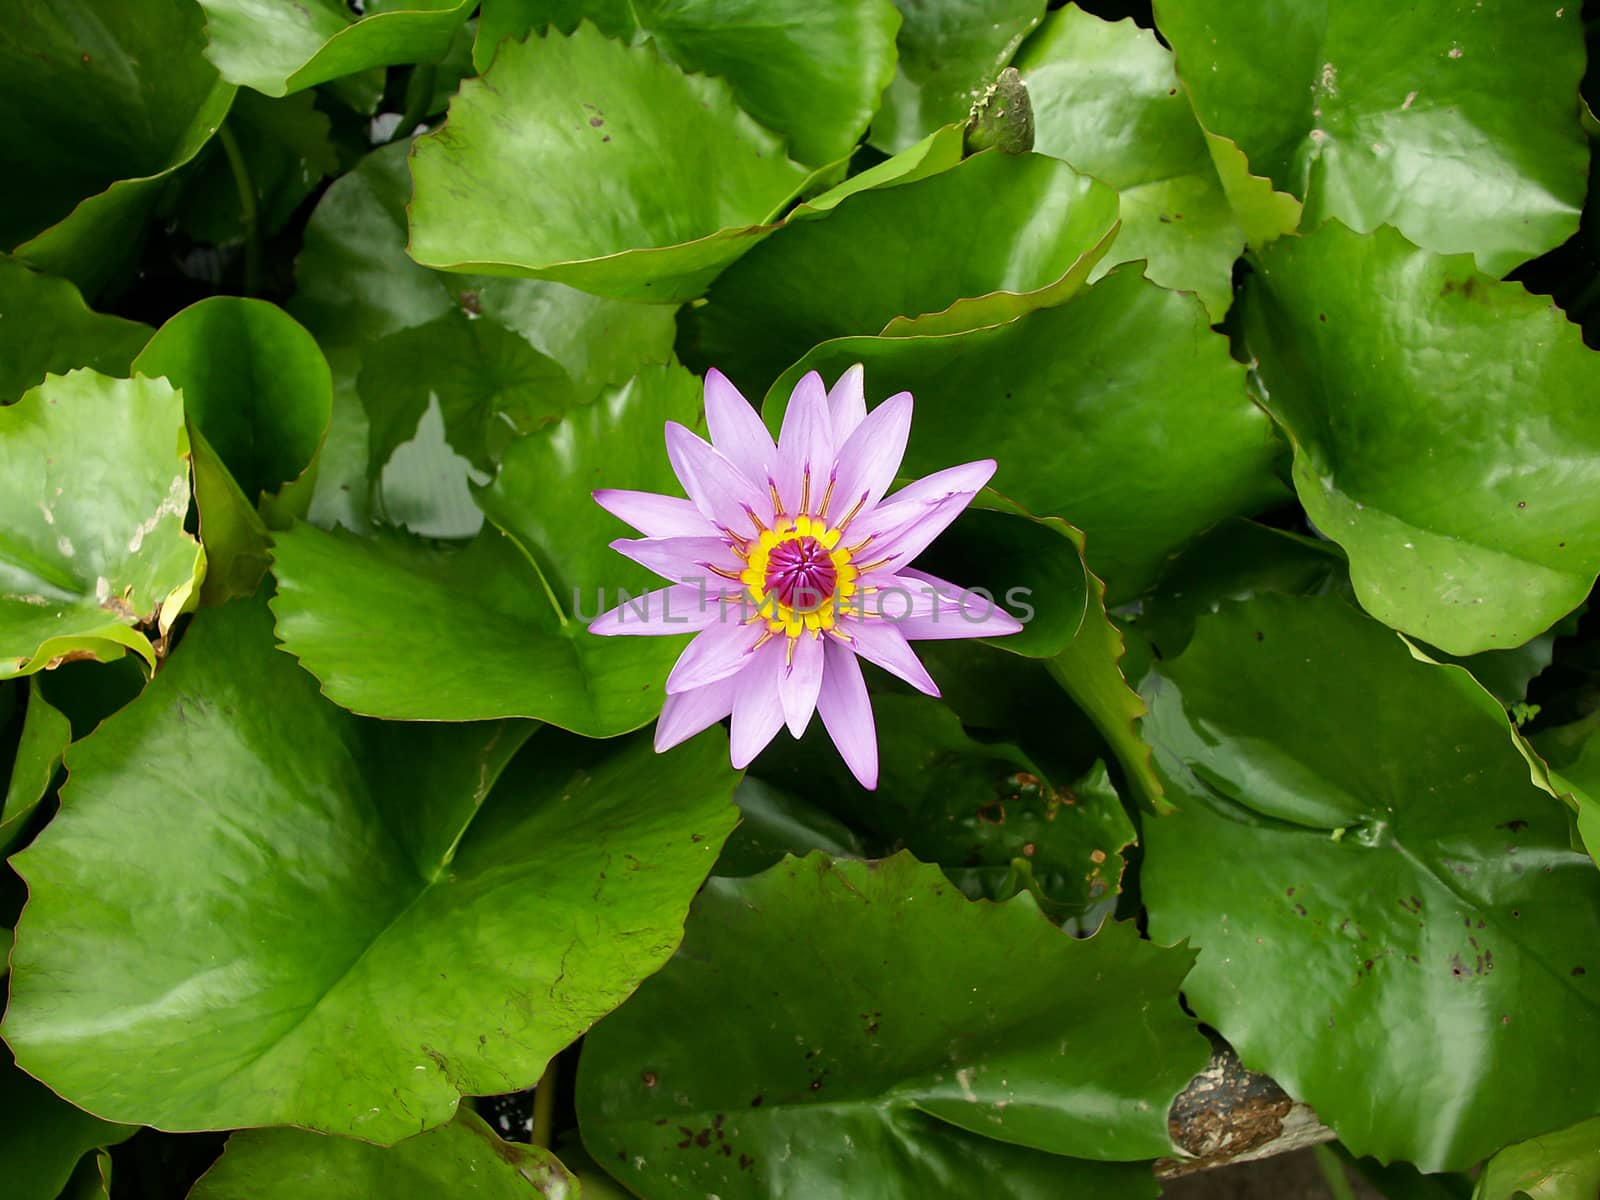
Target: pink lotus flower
<point>789,562</point>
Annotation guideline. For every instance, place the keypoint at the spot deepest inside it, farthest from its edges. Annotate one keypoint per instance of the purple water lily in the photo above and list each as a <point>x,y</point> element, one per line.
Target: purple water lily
<point>789,561</point>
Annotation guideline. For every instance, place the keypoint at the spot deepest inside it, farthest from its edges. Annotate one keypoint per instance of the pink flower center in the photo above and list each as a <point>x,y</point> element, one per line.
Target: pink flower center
<point>801,574</point>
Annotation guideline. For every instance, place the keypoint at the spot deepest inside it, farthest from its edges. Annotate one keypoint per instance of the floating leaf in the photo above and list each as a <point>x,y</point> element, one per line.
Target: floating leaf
<point>258,396</point>
<point>1106,99</point>
<point>463,1158</point>
<point>94,484</point>
<point>43,736</point>
<point>1359,843</point>
<point>291,866</point>
<point>1034,227</point>
<point>253,382</point>
<point>100,102</point>
<point>1444,432</point>
<point>1563,1165</point>
<point>950,50</point>
<point>356,285</point>
<point>594,118</point>
<point>278,48</point>
<point>506,618</point>
<point>1458,125</point>
<point>812,71</point>
<point>1162,443</point>
<point>45,329</point>
<point>873,1024</point>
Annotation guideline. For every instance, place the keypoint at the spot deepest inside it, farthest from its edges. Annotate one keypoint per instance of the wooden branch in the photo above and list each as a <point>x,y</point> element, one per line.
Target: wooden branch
<point>1229,1114</point>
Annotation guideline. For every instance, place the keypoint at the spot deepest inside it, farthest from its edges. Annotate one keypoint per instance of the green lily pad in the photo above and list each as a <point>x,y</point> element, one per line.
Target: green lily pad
<point>94,481</point>
<point>1459,125</point>
<point>356,285</point>
<point>43,737</point>
<point>42,1137</point>
<point>258,396</point>
<point>1180,403</point>
<point>253,382</point>
<point>950,50</point>
<point>282,46</point>
<point>297,870</point>
<point>1030,224</point>
<point>1359,842</point>
<point>939,151</point>
<point>1464,496</point>
<point>46,329</point>
<point>506,617</point>
<point>1562,1165</point>
<point>464,1158</point>
<point>594,119</point>
<point>902,1038</point>
<point>808,70</point>
<point>1106,99</point>
<point>100,102</point>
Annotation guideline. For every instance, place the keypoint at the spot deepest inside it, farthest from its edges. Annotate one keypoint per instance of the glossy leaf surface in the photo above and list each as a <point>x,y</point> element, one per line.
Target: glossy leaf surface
<point>94,480</point>
<point>1458,126</point>
<point>1443,429</point>
<point>288,866</point>
<point>1387,855</point>
<point>841,1047</point>
<point>613,146</point>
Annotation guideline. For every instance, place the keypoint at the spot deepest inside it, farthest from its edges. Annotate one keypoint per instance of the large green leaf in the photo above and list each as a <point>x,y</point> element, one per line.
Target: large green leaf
<point>463,1158</point>
<point>950,50</point>
<point>1459,125</point>
<point>45,329</point>
<point>1444,429</point>
<point>94,486</point>
<point>42,1137</point>
<point>506,618</point>
<point>1106,99</point>
<point>357,285</point>
<point>258,395</point>
<point>100,101</point>
<point>281,46</point>
<point>41,739</point>
<point>253,382</point>
<point>874,1029</point>
<point>1144,449</point>
<point>1360,851</point>
<point>811,71</point>
<point>335,923</point>
<point>1028,222</point>
<point>647,181</point>
<point>1563,1165</point>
